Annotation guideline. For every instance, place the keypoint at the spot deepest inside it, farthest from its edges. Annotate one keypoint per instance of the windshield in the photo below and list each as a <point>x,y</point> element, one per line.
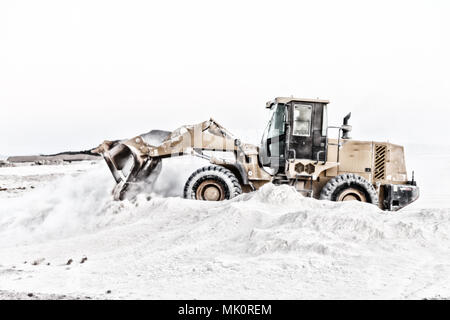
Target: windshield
<point>276,125</point>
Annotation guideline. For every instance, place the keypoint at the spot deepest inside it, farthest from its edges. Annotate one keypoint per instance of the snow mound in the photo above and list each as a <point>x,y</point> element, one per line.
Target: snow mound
<point>269,244</point>
<point>276,219</point>
<point>273,219</point>
<point>59,208</point>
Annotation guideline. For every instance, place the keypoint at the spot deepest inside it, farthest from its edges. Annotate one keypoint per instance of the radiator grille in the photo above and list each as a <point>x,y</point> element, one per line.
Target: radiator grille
<point>380,162</point>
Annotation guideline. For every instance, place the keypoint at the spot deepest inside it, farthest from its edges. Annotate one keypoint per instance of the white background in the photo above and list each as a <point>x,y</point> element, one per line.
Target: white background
<point>73,73</point>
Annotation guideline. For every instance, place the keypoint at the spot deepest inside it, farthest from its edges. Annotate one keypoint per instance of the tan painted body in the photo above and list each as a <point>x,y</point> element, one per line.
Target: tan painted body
<point>379,163</point>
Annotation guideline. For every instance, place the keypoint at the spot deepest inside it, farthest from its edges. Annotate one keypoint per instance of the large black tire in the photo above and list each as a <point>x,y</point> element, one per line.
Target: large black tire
<point>212,183</point>
<point>349,186</point>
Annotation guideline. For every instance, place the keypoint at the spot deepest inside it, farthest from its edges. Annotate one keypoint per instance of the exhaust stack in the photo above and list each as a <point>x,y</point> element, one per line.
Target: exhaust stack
<point>346,128</point>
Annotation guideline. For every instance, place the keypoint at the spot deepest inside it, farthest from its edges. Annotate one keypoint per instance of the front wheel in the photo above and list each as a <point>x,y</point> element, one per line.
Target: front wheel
<point>212,183</point>
<point>348,187</point>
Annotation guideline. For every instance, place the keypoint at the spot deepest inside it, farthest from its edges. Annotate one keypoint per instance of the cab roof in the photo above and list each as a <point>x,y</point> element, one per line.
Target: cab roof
<point>285,100</point>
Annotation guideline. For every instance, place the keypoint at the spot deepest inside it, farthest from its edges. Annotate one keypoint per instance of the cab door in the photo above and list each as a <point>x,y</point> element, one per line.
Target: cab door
<point>309,135</point>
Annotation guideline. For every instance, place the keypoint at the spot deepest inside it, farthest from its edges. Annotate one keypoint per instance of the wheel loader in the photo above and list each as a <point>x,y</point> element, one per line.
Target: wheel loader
<point>296,149</point>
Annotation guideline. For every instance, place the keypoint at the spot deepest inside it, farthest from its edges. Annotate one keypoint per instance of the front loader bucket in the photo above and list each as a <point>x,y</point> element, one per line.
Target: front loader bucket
<point>136,163</point>
<point>130,164</point>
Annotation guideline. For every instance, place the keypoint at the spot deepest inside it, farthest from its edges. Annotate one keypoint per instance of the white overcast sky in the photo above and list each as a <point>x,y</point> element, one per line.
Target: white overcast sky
<point>73,73</point>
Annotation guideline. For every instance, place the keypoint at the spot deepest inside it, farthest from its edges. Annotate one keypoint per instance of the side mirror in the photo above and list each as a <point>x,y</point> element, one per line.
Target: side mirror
<point>346,128</point>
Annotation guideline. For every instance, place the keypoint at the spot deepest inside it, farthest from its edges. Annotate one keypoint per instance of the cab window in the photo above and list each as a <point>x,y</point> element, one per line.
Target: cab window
<point>325,121</point>
<point>302,120</point>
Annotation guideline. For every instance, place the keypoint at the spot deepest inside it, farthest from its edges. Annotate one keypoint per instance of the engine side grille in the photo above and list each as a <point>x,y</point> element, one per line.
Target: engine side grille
<point>380,162</point>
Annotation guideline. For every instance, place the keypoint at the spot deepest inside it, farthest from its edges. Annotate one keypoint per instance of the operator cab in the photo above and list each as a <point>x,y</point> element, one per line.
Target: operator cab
<point>297,129</point>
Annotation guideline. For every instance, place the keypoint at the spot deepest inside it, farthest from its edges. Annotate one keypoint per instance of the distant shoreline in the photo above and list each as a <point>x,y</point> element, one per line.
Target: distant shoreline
<point>68,156</point>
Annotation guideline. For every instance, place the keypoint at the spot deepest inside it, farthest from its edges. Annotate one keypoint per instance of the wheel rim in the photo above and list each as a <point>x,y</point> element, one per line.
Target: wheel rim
<point>210,190</point>
<point>352,194</point>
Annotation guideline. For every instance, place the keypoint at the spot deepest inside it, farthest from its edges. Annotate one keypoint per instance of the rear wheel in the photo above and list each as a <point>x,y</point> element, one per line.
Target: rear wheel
<point>212,183</point>
<point>349,187</point>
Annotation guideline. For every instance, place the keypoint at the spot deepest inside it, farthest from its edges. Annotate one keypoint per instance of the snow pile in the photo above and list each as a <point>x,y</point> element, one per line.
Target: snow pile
<point>269,244</point>
<point>78,202</point>
<point>269,220</point>
<point>277,219</point>
<point>71,202</point>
